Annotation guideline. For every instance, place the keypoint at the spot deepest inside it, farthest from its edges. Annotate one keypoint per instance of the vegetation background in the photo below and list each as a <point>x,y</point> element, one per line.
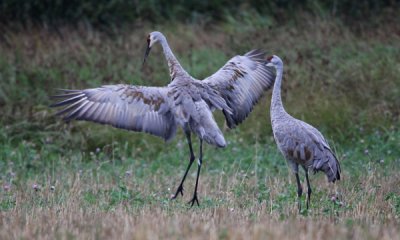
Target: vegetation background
<point>81,180</point>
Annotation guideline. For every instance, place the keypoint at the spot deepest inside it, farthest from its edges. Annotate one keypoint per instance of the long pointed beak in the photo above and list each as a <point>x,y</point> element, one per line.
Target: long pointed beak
<point>146,54</point>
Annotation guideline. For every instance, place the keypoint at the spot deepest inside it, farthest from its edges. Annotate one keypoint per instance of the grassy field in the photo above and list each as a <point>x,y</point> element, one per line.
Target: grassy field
<point>81,180</point>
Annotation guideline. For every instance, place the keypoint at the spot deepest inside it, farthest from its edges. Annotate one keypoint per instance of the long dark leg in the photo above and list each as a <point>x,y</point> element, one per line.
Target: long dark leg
<point>194,199</point>
<point>309,191</point>
<point>191,160</point>
<point>299,191</point>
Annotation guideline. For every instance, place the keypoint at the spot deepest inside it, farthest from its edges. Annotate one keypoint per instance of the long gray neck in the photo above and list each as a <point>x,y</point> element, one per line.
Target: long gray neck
<point>175,68</point>
<point>276,102</point>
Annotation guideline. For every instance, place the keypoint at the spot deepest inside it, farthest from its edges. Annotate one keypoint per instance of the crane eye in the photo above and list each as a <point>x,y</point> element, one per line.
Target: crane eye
<point>269,58</point>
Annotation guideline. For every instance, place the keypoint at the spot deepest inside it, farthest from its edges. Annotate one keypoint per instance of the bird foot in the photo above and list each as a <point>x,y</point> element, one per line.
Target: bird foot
<point>179,190</point>
<point>194,199</point>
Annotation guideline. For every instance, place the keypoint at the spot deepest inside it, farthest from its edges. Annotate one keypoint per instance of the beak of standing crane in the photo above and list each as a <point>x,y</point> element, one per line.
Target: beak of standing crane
<point>146,54</point>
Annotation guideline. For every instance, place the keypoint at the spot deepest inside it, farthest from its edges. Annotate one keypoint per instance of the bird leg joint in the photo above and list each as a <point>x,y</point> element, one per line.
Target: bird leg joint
<point>299,191</point>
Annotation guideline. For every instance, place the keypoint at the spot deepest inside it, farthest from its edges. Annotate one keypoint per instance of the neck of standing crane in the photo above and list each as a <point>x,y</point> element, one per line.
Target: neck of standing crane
<point>175,67</point>
<point>276,102</point>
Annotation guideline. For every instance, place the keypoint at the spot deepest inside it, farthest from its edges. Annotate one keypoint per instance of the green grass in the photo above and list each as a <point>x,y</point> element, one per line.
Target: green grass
<point>246,182</point>
<point>111,183</point>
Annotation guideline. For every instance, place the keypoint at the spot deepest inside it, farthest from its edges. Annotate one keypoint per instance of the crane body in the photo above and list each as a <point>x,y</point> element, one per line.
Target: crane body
<point>299,142</point>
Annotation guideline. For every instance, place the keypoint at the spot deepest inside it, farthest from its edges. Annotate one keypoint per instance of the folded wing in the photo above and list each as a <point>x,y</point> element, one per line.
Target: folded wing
<point>136,108</point>
<point>242,82</point>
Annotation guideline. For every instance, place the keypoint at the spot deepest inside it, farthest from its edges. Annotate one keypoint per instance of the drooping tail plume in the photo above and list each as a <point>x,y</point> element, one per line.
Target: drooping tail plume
<point>329,165</point>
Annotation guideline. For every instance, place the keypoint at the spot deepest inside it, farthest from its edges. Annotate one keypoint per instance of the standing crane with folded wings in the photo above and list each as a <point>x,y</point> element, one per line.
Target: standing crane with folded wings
<point>185,102</point>
<point>299,142</point>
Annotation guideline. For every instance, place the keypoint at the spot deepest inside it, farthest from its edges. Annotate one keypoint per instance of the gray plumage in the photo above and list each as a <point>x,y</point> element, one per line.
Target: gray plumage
<point>185,102</point>
<point>299,142</point>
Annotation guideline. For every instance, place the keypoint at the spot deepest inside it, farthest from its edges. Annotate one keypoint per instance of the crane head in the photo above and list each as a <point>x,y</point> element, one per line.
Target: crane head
<point>274,61</point>
<point>152,38</point>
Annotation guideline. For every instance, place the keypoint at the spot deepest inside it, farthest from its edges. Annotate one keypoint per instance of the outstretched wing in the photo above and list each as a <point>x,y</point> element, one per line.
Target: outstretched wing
<point>136,108</point>
<point>242,82</point>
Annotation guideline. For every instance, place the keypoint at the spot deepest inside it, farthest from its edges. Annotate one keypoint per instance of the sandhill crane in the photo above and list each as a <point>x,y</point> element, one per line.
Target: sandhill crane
<point>187,102</point>
<point>299,142</point>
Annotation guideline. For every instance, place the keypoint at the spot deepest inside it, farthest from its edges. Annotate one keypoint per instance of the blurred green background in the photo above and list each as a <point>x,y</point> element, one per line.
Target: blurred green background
<point>116,12</point>
<point>342,60</point>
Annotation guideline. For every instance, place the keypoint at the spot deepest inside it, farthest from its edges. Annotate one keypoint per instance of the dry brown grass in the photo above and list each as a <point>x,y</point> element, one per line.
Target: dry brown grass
<point>366,214</point>
<point>156,224</point>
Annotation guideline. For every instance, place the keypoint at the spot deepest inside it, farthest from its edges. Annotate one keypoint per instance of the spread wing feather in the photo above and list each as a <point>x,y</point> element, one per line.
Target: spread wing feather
<point>136,108</point>
<point>242,82</point>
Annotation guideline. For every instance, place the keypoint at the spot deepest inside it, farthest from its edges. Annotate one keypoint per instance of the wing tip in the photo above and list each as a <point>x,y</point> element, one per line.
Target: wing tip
<point>256,54</point>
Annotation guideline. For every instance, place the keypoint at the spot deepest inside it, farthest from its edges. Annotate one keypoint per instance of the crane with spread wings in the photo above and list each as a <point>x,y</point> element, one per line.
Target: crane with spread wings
<point>185,101</point>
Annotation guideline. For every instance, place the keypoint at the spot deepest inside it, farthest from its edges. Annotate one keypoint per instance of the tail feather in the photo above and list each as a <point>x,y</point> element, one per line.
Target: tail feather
<point>330,166</point>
